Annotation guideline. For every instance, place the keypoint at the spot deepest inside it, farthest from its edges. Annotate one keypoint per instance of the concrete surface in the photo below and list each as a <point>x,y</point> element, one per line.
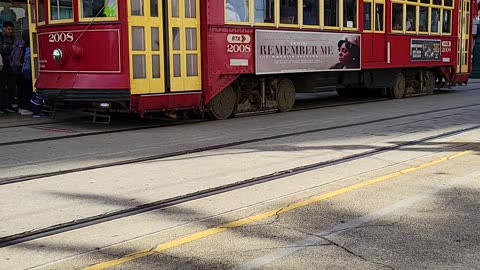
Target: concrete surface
<point>48,201</point>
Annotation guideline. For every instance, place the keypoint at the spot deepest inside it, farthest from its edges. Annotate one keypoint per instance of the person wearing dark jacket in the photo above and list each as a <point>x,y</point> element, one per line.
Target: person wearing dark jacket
<point>25,91</point>
<point>7,81</point>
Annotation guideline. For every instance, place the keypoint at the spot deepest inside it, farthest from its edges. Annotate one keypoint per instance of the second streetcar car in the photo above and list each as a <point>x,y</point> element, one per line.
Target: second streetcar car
<point>241,56</point>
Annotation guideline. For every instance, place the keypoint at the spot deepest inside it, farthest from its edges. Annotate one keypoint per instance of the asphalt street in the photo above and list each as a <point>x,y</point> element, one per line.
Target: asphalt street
<point>409,206</point>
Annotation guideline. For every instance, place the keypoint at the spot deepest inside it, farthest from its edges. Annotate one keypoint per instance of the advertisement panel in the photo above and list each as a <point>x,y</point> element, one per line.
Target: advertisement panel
<point>425,50</point>
<point>294,51</point>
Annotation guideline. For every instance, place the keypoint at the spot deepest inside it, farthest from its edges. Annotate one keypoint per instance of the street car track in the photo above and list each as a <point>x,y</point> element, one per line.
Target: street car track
<point>34,124</point>
<point>184,122</point>
<point>97,219</point>
<point>31,177</point>
<point>85,134</point>
<point>151,126</point>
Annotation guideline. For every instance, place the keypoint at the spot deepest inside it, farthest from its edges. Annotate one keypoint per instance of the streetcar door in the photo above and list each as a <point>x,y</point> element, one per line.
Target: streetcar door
<point>184,45</point>
<point>463,36</point>
<point>146,46</point>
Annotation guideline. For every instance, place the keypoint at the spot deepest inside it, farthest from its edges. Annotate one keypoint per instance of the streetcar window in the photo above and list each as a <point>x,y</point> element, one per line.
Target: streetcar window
<point>331,12</point>
<point>153,8</point>
<point>137,7</point>
<point>367,21</point>
<point>289,11</point>
<point>34,43</point>
<point>437,2</point>
<point>192,65</point>
<point>175,12</point>
<point>435,20</point>
<point>99,8</point>
<point>191,39</point>
<point>311,12</point>
<point>41,11</point>
<point>33,15</point>
<point>139,71</point>
<point>425,1</point>
<point>378,17</point>
<point>236,10</point>
<point>35,67</point>
<point>155,66</point>
<point>110,8</point>
<point>411,18</point>
<point>177,66</point>
<point>61,10</point>
<point>423,20</point>
<point>138,38</point>
<point>264,11</point>
<point>397,17</point>
<point>190,9</point>
<point>176,38</point>
<point>446,21</point>
<point>155,38</point>
<point>350,13</point>
<point>448,3</point>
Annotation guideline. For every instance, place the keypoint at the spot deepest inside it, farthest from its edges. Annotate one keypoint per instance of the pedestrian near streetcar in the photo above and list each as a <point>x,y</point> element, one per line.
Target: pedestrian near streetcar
<point>7,81</point>
<point>24,70</point>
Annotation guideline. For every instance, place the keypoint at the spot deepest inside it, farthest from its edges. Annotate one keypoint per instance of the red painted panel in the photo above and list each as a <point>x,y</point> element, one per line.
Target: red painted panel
<point>74,81</point>
<point>374,49</point>
<point>164,102</point>
<point>368,49</point>
<point>233,49</point>
<point>100,61</point>
<point>230,52</point>
<point>215,12</point>
<point>400,52</point>
<point>379,48</point>
<point>81,50</point>
<point>461,79</point>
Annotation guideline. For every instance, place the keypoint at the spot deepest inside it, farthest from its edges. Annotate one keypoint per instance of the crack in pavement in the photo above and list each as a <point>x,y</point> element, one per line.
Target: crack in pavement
<point>330,243</point>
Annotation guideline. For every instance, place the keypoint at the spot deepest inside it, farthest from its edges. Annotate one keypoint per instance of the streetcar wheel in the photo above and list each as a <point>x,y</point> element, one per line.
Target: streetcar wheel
<point>223,104</point>
<point>399,89</point>
<point>429,82</point>
<point>285,95</point>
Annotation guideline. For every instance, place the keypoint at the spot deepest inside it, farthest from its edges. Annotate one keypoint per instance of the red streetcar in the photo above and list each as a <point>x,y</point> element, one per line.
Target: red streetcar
<point>230,57</point>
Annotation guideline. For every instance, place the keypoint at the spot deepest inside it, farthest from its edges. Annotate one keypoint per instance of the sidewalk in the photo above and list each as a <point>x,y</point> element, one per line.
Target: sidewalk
<point>473,80</point>
<point>14,119</point>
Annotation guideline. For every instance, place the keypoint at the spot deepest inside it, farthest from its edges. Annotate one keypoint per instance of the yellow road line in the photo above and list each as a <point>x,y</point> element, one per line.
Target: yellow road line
<point>239,223</point>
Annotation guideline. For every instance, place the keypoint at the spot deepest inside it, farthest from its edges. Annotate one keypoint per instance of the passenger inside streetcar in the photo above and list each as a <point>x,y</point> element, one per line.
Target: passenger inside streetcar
<point>236,11</point>
<point>397,17</point>
<point>308,18</point>
<point>411,18</point>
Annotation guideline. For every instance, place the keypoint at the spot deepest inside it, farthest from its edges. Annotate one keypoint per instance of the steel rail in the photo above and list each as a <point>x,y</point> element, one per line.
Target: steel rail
<point>114,215</point>
<point>185,122</point>
<point>152,126</point>
<point>30,177</point>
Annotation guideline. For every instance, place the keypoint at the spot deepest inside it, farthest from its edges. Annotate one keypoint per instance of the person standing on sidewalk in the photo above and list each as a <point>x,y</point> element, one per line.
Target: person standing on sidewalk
<point>25,90</point>
<point>7,81</point>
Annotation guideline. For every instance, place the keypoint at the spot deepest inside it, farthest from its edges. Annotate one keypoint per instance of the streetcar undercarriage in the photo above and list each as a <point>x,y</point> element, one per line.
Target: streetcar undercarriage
<point>251,94</point>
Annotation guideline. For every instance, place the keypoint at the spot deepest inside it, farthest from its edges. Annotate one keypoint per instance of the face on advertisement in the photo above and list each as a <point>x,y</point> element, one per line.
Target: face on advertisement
<point>348,53</point>
<point>344,54</point>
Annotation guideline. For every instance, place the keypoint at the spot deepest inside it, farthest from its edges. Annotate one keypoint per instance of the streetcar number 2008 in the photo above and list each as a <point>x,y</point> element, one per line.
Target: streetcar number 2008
<point>60,37</point>
<point>238,48</point>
